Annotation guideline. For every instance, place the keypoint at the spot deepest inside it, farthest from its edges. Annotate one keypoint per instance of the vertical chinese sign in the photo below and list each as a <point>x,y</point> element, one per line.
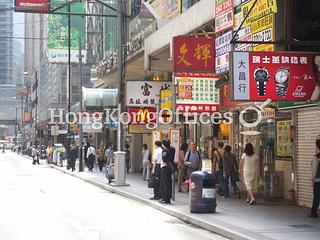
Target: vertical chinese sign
<point>223,15</point>
<point>223,48</point>
<point>192,54</point>
<point>279,76</point>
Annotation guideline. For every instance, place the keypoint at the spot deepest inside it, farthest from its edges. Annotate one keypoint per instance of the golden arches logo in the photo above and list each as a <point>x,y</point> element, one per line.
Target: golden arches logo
<point>143,115</point>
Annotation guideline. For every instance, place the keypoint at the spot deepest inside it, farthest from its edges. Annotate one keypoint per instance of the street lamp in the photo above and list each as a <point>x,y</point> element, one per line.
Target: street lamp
<point>16,132</point>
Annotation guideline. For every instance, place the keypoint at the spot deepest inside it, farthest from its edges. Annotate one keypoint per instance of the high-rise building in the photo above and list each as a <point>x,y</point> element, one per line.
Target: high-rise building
<point>11,63</point>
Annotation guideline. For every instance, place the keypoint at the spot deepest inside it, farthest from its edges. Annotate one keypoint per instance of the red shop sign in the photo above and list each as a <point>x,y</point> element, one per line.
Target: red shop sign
<point>279,76</point>
<point>32,6</point>
<point>142,115</point>
<point>192,54</point>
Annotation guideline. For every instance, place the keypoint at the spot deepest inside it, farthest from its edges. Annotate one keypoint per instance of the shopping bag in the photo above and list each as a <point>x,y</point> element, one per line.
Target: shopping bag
<point>151,181</point>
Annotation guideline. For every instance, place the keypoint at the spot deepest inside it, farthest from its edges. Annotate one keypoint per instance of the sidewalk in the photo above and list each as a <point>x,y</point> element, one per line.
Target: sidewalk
<point>234,218</point>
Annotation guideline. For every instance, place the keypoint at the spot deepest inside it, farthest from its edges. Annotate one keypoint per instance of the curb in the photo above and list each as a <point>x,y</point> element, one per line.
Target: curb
<point>225,232</point>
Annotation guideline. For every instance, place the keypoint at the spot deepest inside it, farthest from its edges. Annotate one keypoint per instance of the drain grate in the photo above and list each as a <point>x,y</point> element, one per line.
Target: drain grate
<point>301,226</point>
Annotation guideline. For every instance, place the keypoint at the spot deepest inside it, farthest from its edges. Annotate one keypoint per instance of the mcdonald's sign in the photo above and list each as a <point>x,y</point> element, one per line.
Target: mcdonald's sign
<point>142,115</point>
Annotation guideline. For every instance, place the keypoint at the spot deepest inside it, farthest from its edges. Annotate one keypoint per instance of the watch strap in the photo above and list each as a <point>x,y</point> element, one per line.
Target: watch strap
<point>262,88</point>
<point>281,89</point>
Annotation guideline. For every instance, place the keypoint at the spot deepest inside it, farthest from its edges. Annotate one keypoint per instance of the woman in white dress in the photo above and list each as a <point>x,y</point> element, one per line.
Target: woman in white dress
<point>249,166</point>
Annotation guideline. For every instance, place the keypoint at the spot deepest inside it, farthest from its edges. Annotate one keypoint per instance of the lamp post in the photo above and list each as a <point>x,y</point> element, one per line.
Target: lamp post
<point>16,125</point>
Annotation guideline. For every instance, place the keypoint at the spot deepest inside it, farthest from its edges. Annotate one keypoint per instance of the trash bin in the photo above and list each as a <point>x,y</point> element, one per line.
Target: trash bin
<point>202,193</point>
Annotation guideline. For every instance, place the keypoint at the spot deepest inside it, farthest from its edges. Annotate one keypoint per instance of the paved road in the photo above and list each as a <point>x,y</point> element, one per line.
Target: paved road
<point>38,202</point>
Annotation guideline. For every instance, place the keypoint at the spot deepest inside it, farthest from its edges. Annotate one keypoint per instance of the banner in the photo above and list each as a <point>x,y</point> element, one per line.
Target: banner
<point>279,76</point>
<point>205,96</point>
<point>145,93</point>
<point>284,144</point>
<point>191,54</point>
<point>223,15</point>
<point>58,34</point>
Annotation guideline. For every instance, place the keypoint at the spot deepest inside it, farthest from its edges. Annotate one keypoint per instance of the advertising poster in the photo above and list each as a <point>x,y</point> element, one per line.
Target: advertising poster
<point>205,96</point>
<point>185,88</point>
<point>279,76</point>
<point>191,54</point>
<point>223,48</point>
<point>284,145</point>
<point>145,93</point>
<point>223,15</point>
<point>58,34</point>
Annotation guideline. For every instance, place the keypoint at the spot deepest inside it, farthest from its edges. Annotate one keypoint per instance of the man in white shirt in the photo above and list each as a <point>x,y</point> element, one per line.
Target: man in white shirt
<point>156,169</point>
<point>91,156</point>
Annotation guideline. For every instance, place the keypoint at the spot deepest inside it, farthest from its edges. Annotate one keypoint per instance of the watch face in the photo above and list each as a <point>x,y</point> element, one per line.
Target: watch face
<point>261,75</point>
<point>282,75</point>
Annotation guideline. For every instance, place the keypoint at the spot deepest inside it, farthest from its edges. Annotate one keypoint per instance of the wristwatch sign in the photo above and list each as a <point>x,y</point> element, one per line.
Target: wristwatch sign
<point>279,76</point>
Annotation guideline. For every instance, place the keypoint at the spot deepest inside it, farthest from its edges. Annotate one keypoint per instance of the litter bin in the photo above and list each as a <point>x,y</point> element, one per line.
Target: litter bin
<point>202,193</point>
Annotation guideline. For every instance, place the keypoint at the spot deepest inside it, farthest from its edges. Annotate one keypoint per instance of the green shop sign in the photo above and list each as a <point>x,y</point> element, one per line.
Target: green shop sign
<point>289,105</point>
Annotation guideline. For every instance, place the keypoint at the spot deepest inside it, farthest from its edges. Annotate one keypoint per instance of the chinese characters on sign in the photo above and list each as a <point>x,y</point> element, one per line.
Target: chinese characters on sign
<point>185,88</point>
<point>279,76</point>
<point>204,95</point>
<point>145,93</point>
<point>284,144</point>
<point>192,54</point>
<point>223,15</point>
<point>223,47</point>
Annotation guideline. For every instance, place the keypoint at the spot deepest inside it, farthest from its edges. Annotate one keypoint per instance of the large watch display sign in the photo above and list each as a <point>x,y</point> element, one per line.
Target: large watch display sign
<point>279,76</point>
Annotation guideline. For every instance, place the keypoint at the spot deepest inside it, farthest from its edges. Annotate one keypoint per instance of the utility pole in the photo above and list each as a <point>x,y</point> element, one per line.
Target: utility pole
<point>69,79</point>
<point>81,96</point>
<point>120,73</point>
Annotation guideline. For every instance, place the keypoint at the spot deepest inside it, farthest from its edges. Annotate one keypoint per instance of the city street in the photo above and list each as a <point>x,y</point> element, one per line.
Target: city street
<point>38,202</point>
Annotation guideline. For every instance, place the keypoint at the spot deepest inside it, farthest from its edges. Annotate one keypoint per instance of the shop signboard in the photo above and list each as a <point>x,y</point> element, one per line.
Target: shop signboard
<point>58,34</point>
<point>138,129</point>
<point>166,99</point>
<point>145,93</point>
<point>263,31</point>
<point>223,48</point>
<point>290,105</point>
<point>279,76</point>
<point>223,15</point>
<point>261,9</point>
<point>41,6</point>
<point>142,115</point>
<point>191,54</point>
<point>185,88</point>
<point>171,8</point>
<point>284,144</point>
<point>244,34</point>
<point>205,96</point>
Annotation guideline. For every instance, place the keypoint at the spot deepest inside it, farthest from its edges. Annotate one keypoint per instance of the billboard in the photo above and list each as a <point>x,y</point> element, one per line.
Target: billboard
<point>205,96</point>
<point>58,34</point>
<point>279,76</point>
<point>191,54</point>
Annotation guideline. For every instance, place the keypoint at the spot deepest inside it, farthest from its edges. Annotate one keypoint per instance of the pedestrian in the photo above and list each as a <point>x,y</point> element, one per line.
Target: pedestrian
<point>230,171</point>
<point>249,166</point>
<point>86,162</point>
<point>127,157</point>
<point>3,148</point>
<point>19,149</point>
<point>146,162</point>
<point>193,159</point>
<point>109,154</point>
<point>35,155</point>
<point>181,166</point>
<point>73,154</point>
<point>156,169</point>
<point>166,181</point>
<point>91,156</point>
<point>315,170</point>
<point>100,153</point>
<point>217,168</point>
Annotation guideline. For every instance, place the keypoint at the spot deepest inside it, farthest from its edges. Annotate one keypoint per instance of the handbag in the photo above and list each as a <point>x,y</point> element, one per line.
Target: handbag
<point>152,181</point>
